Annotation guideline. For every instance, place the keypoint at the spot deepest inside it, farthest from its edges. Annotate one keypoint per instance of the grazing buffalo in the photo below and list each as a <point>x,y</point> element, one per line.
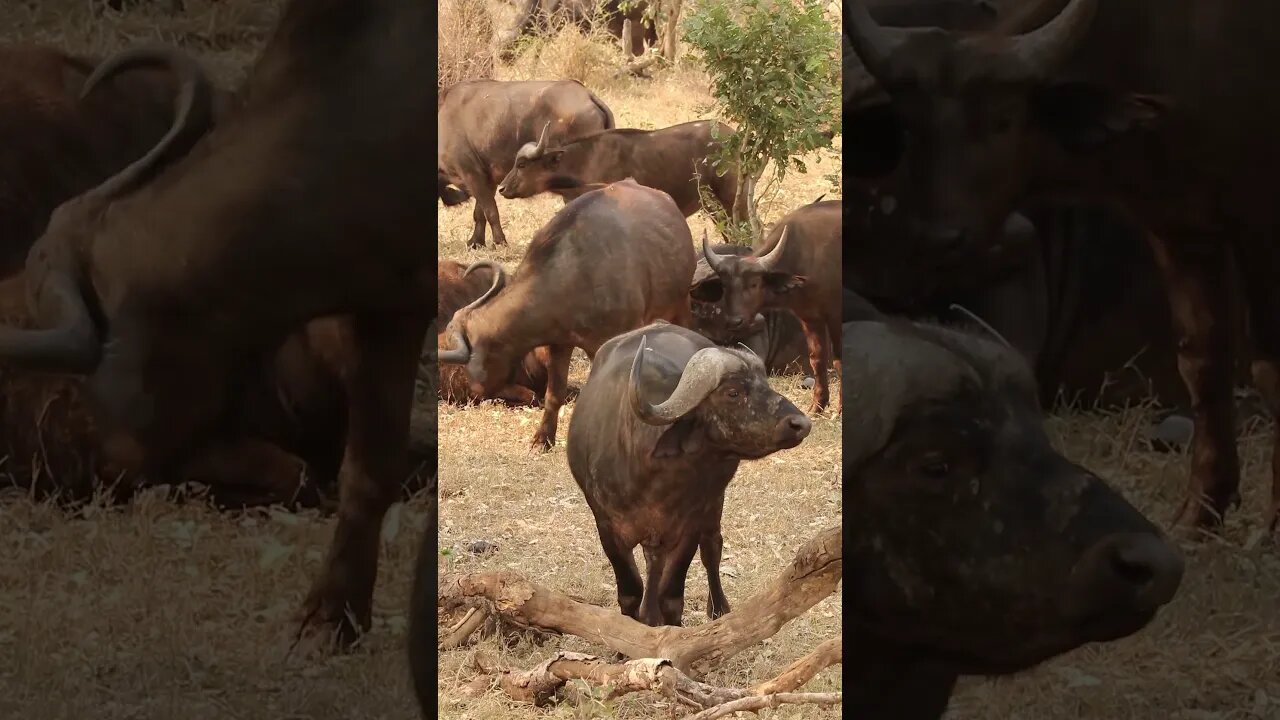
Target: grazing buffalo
<point>537,16</point>
<point>778,341</point>
<point>610,261</point>
<point>676,160</point>
<point>59,144</point>
<point>481,124</point>
<point>973,547</point>
<point>167,283</point>
<point>796,268</point>
<point>658,432</point>
<point>456,287</point>
<point>1166,110</point>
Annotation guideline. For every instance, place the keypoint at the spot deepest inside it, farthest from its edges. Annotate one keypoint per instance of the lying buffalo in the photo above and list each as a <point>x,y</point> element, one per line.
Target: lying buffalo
<point>1166,110</point>
<point>481,124</point>
<point>777,337</point>
<point>796,268</point>
<point>676,160</point>
<point>973,547</point>
<point>658,432</point>
<point>458,286</point>
<point>610,261</point>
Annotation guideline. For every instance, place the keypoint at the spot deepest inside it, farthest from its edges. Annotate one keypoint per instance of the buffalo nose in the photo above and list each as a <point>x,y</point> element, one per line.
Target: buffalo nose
<point>1147,567</point>
<point>735,322</point>
<point>502,190</point>
<point>797,426</point>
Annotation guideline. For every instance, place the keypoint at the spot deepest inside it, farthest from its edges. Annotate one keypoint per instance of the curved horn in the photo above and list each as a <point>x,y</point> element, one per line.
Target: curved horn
<point>542,138</point>
<point>71,346</point>
<point>769,260</point>
<point>874,43</point>
<point>1045,49</point>
<point>499,281</point>
<point>714,259</point>
<point>459,354</point>
<point>193,114</point>
<point>703,374</point>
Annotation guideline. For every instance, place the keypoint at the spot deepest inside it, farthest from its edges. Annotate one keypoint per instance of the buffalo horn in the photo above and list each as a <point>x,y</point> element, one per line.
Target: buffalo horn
<point>71,346</point>
<point>542,139</point>
<point>874,43</point>
<point>499,281</point>
<point>459,354</point>
<point>769,260</point>
<point>714,259</point>
<point>702,375</point>
<point>1046,48</point>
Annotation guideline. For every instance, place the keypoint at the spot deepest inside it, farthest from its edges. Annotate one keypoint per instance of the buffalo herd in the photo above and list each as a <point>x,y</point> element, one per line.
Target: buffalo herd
<point>231,287</point>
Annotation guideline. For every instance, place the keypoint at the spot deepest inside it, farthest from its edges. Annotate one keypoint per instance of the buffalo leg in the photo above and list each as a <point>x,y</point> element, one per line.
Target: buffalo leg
<point>675,571</point>
<point>1259,262</point>
<point>651,602</point>
<point>710,550</point>
<point>249,473</point>
<point>557,382</point>
<point>625,573</point>
<point>818,359</point>
<point>379,386</point>
<point>833,345</point>
<point>1195,277</point>
<point>486,210</point>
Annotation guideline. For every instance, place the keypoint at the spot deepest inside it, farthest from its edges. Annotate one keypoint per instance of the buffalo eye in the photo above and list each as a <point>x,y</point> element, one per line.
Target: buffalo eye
<point>520,163</point>
<point>733,393</point>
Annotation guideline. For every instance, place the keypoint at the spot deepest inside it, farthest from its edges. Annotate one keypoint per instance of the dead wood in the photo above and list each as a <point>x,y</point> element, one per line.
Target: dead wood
<point>640,65</point>
<point>668,658</point>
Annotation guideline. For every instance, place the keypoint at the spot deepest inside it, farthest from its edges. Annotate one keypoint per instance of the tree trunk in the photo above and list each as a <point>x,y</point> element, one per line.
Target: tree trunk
<point>671,33</point>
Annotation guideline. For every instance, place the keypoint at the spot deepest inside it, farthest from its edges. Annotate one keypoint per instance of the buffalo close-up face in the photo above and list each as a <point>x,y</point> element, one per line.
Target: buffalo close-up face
<point>974,543</point>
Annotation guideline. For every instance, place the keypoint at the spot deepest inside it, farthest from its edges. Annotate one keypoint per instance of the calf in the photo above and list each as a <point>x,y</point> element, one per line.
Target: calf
<point>457,286</point>
<point>658,432</point>
<point>796,268</point>
<point>481,124</point>
<point>675,160</point>
<point>610,261</point>
<point>973,547</point>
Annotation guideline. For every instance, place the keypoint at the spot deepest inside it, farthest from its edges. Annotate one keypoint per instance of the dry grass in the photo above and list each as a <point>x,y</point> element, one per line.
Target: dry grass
<point>464,34</point>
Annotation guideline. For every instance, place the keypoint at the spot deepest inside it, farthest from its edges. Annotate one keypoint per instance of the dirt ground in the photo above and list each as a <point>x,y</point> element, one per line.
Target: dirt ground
<point>155,611</point>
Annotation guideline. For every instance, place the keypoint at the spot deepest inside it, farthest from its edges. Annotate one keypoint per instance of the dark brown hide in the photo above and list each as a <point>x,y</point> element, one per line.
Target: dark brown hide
<point>481,124</point>
<point>1169,115</point>
<point>675,160</point>
<point>610,261</point>
<point>1009,554</point>
<point>657,434</point>
<point>306,202</point>
<point>803,278</point>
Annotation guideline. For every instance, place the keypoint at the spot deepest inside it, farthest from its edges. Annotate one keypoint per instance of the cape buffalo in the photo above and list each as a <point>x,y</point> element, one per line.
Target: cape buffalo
<point>972,546</point>
<point>658,432</point>
<point>481,124</point>
<point>456,287</point>
<point>536,16</point>
<point>675,160</point>
<point>165,288</point>
<point>778,341</point>
<point>610,261</point>
<point>1166,110</point>
<point>797,268</point>
<point>59,144</point>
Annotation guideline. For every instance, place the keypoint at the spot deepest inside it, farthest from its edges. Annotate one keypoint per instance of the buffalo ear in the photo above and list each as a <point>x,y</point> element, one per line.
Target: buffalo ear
<point>709,290</point>
<point>781,282</point>
<point>552,157</point>
<point>683,437</point>
<point>1084,117</point>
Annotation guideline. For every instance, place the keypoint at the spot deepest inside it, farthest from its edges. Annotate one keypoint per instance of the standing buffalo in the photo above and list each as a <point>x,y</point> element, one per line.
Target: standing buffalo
<point>456,287</point>
<point>777,337</point>
<point>533,16</point>
<point>660,427</point>
<point>676,160</point>
<point>481,124</point>
<point>797,268</point>
<point>59,144</point>
<point>1167,110</point>
<point>973,547</point>
<point>166,284</point>
<point>610,261</point>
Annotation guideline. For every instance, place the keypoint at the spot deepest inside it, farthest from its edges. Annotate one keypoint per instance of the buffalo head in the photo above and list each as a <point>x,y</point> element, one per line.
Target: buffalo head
<point>746,285</point>
<point>488,362</point>
<point>975,544</point>
<point>536,170</point>
<point>972,120</point>
<point>722,403</point>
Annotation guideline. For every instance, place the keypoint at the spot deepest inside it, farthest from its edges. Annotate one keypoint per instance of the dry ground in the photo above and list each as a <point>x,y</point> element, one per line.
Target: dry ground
<point>156,611</point>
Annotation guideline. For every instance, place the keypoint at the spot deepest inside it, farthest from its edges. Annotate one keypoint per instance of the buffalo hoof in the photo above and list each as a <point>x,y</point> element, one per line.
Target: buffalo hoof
<point>717,610</point>
<point>325,627</point>
<point>541,443</point>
